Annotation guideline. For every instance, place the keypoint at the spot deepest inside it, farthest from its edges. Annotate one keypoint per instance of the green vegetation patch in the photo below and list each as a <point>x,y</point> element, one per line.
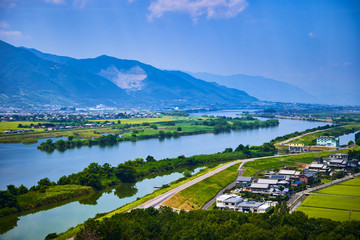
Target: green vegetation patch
<point>310,139</point>
<point>51,194</point>
<point>346,190</point>
<point>195,196</point>
<point>332,202</point>
<point>333,214</point>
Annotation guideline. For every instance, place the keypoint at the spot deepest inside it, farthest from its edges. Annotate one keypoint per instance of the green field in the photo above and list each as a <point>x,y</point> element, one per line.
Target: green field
<point>4,126</point>
<point>348,188</point>
<point>195,196</point>
<point>335,202</point>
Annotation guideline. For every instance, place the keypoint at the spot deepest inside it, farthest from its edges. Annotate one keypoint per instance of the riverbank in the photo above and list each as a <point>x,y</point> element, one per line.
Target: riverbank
<point>161,130</point>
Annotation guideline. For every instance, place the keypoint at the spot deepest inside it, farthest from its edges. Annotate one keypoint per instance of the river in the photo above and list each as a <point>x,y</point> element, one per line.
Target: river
<point>24,164</point>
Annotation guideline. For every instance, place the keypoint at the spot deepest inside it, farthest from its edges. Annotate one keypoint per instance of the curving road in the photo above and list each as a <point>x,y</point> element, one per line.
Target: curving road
<point>155,202</point>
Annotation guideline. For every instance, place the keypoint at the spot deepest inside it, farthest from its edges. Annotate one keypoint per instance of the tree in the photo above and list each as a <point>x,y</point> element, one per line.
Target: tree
<point>70,138</point>
<point>7,200</point>
<point>22,189</point>
<point>228,150</point>
<point>12,190</point>
<point>126,174</point>
<point>44,182</point>
<point>150,159</point>
<point>179,129</point>
<point>187,173</point>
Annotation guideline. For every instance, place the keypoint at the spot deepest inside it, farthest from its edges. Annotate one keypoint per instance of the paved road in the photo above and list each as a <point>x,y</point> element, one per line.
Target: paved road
<point>155,202</point>
<point>231,185</point>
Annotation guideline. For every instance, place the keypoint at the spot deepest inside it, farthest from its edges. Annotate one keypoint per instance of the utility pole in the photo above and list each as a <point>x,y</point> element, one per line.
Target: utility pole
<point>349,214</point>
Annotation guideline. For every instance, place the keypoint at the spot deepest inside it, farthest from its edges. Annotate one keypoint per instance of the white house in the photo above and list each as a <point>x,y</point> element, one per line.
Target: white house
<point>328,141</point>
<point>228,201</point>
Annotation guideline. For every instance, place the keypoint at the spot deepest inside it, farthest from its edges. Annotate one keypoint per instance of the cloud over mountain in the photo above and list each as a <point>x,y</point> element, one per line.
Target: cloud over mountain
<point>197,8</point>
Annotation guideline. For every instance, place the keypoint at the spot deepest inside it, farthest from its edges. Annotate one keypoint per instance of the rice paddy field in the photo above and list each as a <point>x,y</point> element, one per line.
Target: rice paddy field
<point>340,202</point>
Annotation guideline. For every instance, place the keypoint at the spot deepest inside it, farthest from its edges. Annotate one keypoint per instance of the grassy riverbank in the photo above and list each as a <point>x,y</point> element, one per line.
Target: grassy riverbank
<point>195,196</point>
<point>310,139</point>
<point>49,195</point>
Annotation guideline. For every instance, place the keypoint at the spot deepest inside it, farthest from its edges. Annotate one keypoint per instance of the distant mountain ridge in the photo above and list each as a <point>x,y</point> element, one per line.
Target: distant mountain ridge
<point>31,77</point>
<point>265,89</point>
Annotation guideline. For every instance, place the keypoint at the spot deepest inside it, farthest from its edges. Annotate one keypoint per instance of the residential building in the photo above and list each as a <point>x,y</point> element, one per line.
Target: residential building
<point>338,160</point>
<point>328,141</point>
<point>243,181</point>
<point>307,178</point>
<point>270,182</point>
<point>317,167</point>
<point>296,147</point>
<point>227,201</point>
<point>249,207</point>
<point>260,188</point>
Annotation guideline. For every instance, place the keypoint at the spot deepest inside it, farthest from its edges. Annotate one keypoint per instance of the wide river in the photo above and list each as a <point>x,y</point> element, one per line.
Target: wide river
<point>24,164</point>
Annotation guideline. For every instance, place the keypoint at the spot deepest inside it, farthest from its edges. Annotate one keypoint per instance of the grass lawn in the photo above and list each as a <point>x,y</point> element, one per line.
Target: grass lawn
<point>195,196</point>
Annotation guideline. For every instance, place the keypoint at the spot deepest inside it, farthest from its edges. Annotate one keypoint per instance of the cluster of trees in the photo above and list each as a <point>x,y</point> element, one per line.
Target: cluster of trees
<point>222,124</point>
<point>62,145</point>
<point>200,224</point>
<point>357,139</point>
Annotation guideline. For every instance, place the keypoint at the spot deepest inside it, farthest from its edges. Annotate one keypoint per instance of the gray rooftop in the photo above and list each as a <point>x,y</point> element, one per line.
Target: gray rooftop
<point>244,179</point>
<point>250,204</point>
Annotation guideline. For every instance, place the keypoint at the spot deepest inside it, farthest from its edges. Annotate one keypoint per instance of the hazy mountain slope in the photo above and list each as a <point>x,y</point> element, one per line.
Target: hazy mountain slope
<point>26,78</point>
<point>150,85</point>
<point>265,89</point>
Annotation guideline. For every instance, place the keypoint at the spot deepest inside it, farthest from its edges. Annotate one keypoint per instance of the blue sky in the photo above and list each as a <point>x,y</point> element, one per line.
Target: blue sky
<point>312,44</point>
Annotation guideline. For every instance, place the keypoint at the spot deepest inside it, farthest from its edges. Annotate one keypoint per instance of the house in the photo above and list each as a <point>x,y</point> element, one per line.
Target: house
<point>318,160</point>
<point>328,141</point>
<point>249,206</point>
<point>271,182</point>
<point>279,177</point>
<point>317,167</point>
<point>260,188</point>
<point>307,178</point>
<point>265,207</point>
<point>243,181</point>
<point>296,147</point>
<point>292,174</point>
<point>227,201</point>
<point>338,160</point>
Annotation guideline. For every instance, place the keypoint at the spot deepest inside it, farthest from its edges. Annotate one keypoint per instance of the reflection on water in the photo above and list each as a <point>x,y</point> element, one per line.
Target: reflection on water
<point>59,217</point>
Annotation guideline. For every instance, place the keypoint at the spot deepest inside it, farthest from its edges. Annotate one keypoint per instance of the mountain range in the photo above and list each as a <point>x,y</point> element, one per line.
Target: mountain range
<point>30,78</point>
<point>265,89</point>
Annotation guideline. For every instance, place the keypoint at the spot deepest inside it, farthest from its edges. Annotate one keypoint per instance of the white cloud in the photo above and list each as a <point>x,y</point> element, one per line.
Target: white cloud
<point>10,34</point>
<point>4,24</point>
<point>311,34</point>
<point>347,63</point>
<point>197,8</point>
<point>57,2</point>
<point>79,3</point>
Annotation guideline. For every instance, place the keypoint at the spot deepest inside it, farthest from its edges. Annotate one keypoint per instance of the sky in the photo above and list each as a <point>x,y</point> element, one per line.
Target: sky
<point>313,44</point>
